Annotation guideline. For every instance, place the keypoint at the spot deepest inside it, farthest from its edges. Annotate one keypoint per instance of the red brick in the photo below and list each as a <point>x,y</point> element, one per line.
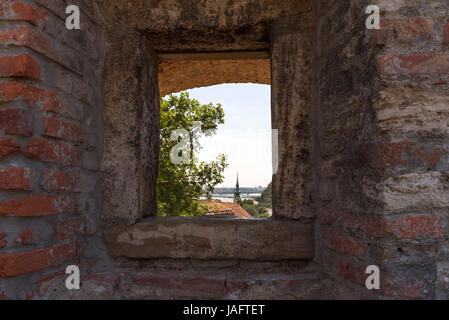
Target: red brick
<point>404,30</point>
<point>47,100</point>
<point>342,242</point>
<point>403,288</point>
<point>16,179</point>
<point>20,66</point>
<point>17,122</point>
<point>39,42</point>
<point>37,205</point>
<point>406,153</point>
<point>70,228</point>
<point>351,271</point>
<point>3,243</point>
<point>20,11</point>
<point>7,147</point>
<point>417,63</point>
<point>369,225</point>
<point>409,227</point>
<point>15,264</point>
<point>64,130</point>
<point>446,34</point>
<point>62,181</point>
<point>54,152</point>
<point>28,237</point>
<point>65,106</point>
<point>406,227</point>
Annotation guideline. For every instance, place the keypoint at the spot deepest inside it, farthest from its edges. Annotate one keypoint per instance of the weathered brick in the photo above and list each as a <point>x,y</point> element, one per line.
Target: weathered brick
<point>74,86</point>
<point>416,63</point>
<point>369,225</point>
<point>54,6</point>
<point>402,227</point>
<point>63,181</point>
<point>54,152</point>
<point>408,288</point>
<point>327,214</point>
<point>155,284</point>
<point>342,242</point>
<point>99,286</point>
<point>16,179</point>
<point>71,228</point>
<point>15,264</point>
<point>64,130</point>
<point>21,11</point>
<point>446,34</point>
<point>38,205</point>
<point>29,236</point>
<point>403,109</point>
<point>20,66</point>
<point>38,41</point>
<point>406,153</point>
<point>17,122</point>
<point>60,104</point>
<point>404,30</point>
<point>3,242</point>
<point>414,190</point>
<point>416,227</point>
<point>8,146</point>
<point>304,285</point>
<point>351,271</point>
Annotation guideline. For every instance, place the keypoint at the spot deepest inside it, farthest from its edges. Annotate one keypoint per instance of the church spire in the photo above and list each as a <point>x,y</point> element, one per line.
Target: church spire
<point>237,190</point>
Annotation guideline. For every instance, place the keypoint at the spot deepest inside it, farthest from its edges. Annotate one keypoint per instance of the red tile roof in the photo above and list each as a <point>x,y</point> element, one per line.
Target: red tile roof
<point>227,209</point>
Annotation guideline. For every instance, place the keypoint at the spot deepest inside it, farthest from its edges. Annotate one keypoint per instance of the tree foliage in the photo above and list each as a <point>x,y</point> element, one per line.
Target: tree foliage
<point>266,196</point>
<point>180,186</point>
<point>261,209</point>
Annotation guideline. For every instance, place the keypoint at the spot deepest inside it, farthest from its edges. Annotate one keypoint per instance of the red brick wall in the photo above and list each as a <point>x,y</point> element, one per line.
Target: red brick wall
<point>383,150</point>
<point>49,133</point>
<point>379,124</point>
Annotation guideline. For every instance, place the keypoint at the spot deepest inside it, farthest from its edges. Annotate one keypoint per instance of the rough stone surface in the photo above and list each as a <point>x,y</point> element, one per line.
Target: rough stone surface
<point>210,238</point>
<point>131,125</point>
<point>177,76</point>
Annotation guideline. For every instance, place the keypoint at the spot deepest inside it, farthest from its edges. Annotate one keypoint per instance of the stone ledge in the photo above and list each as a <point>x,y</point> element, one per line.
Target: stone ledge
<point>212,238</point>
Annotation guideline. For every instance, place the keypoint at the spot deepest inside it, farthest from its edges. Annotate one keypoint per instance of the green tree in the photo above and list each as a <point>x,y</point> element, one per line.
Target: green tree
<point>180,186</point>
<point>265,197</point>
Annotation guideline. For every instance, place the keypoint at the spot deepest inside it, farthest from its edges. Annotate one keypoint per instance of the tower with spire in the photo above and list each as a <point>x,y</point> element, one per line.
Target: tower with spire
<point>237,190</point>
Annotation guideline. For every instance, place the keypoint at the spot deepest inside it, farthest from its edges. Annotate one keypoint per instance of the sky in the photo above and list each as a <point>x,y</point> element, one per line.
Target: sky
<point>245,137</point>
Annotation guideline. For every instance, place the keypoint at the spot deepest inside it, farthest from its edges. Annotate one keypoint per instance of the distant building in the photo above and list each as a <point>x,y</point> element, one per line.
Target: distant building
<point>217,208</point>
<point>237,197</point>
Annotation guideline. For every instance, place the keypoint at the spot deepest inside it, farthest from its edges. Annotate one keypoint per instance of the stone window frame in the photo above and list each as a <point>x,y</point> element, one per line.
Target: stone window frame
<point>132,228</point>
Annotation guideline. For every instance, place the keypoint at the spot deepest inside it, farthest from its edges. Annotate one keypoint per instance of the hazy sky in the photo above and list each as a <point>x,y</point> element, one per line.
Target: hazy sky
<point>246,135</point>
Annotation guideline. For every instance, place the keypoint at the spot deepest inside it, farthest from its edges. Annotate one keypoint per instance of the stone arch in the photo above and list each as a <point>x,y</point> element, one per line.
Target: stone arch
<point>175,76</point>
